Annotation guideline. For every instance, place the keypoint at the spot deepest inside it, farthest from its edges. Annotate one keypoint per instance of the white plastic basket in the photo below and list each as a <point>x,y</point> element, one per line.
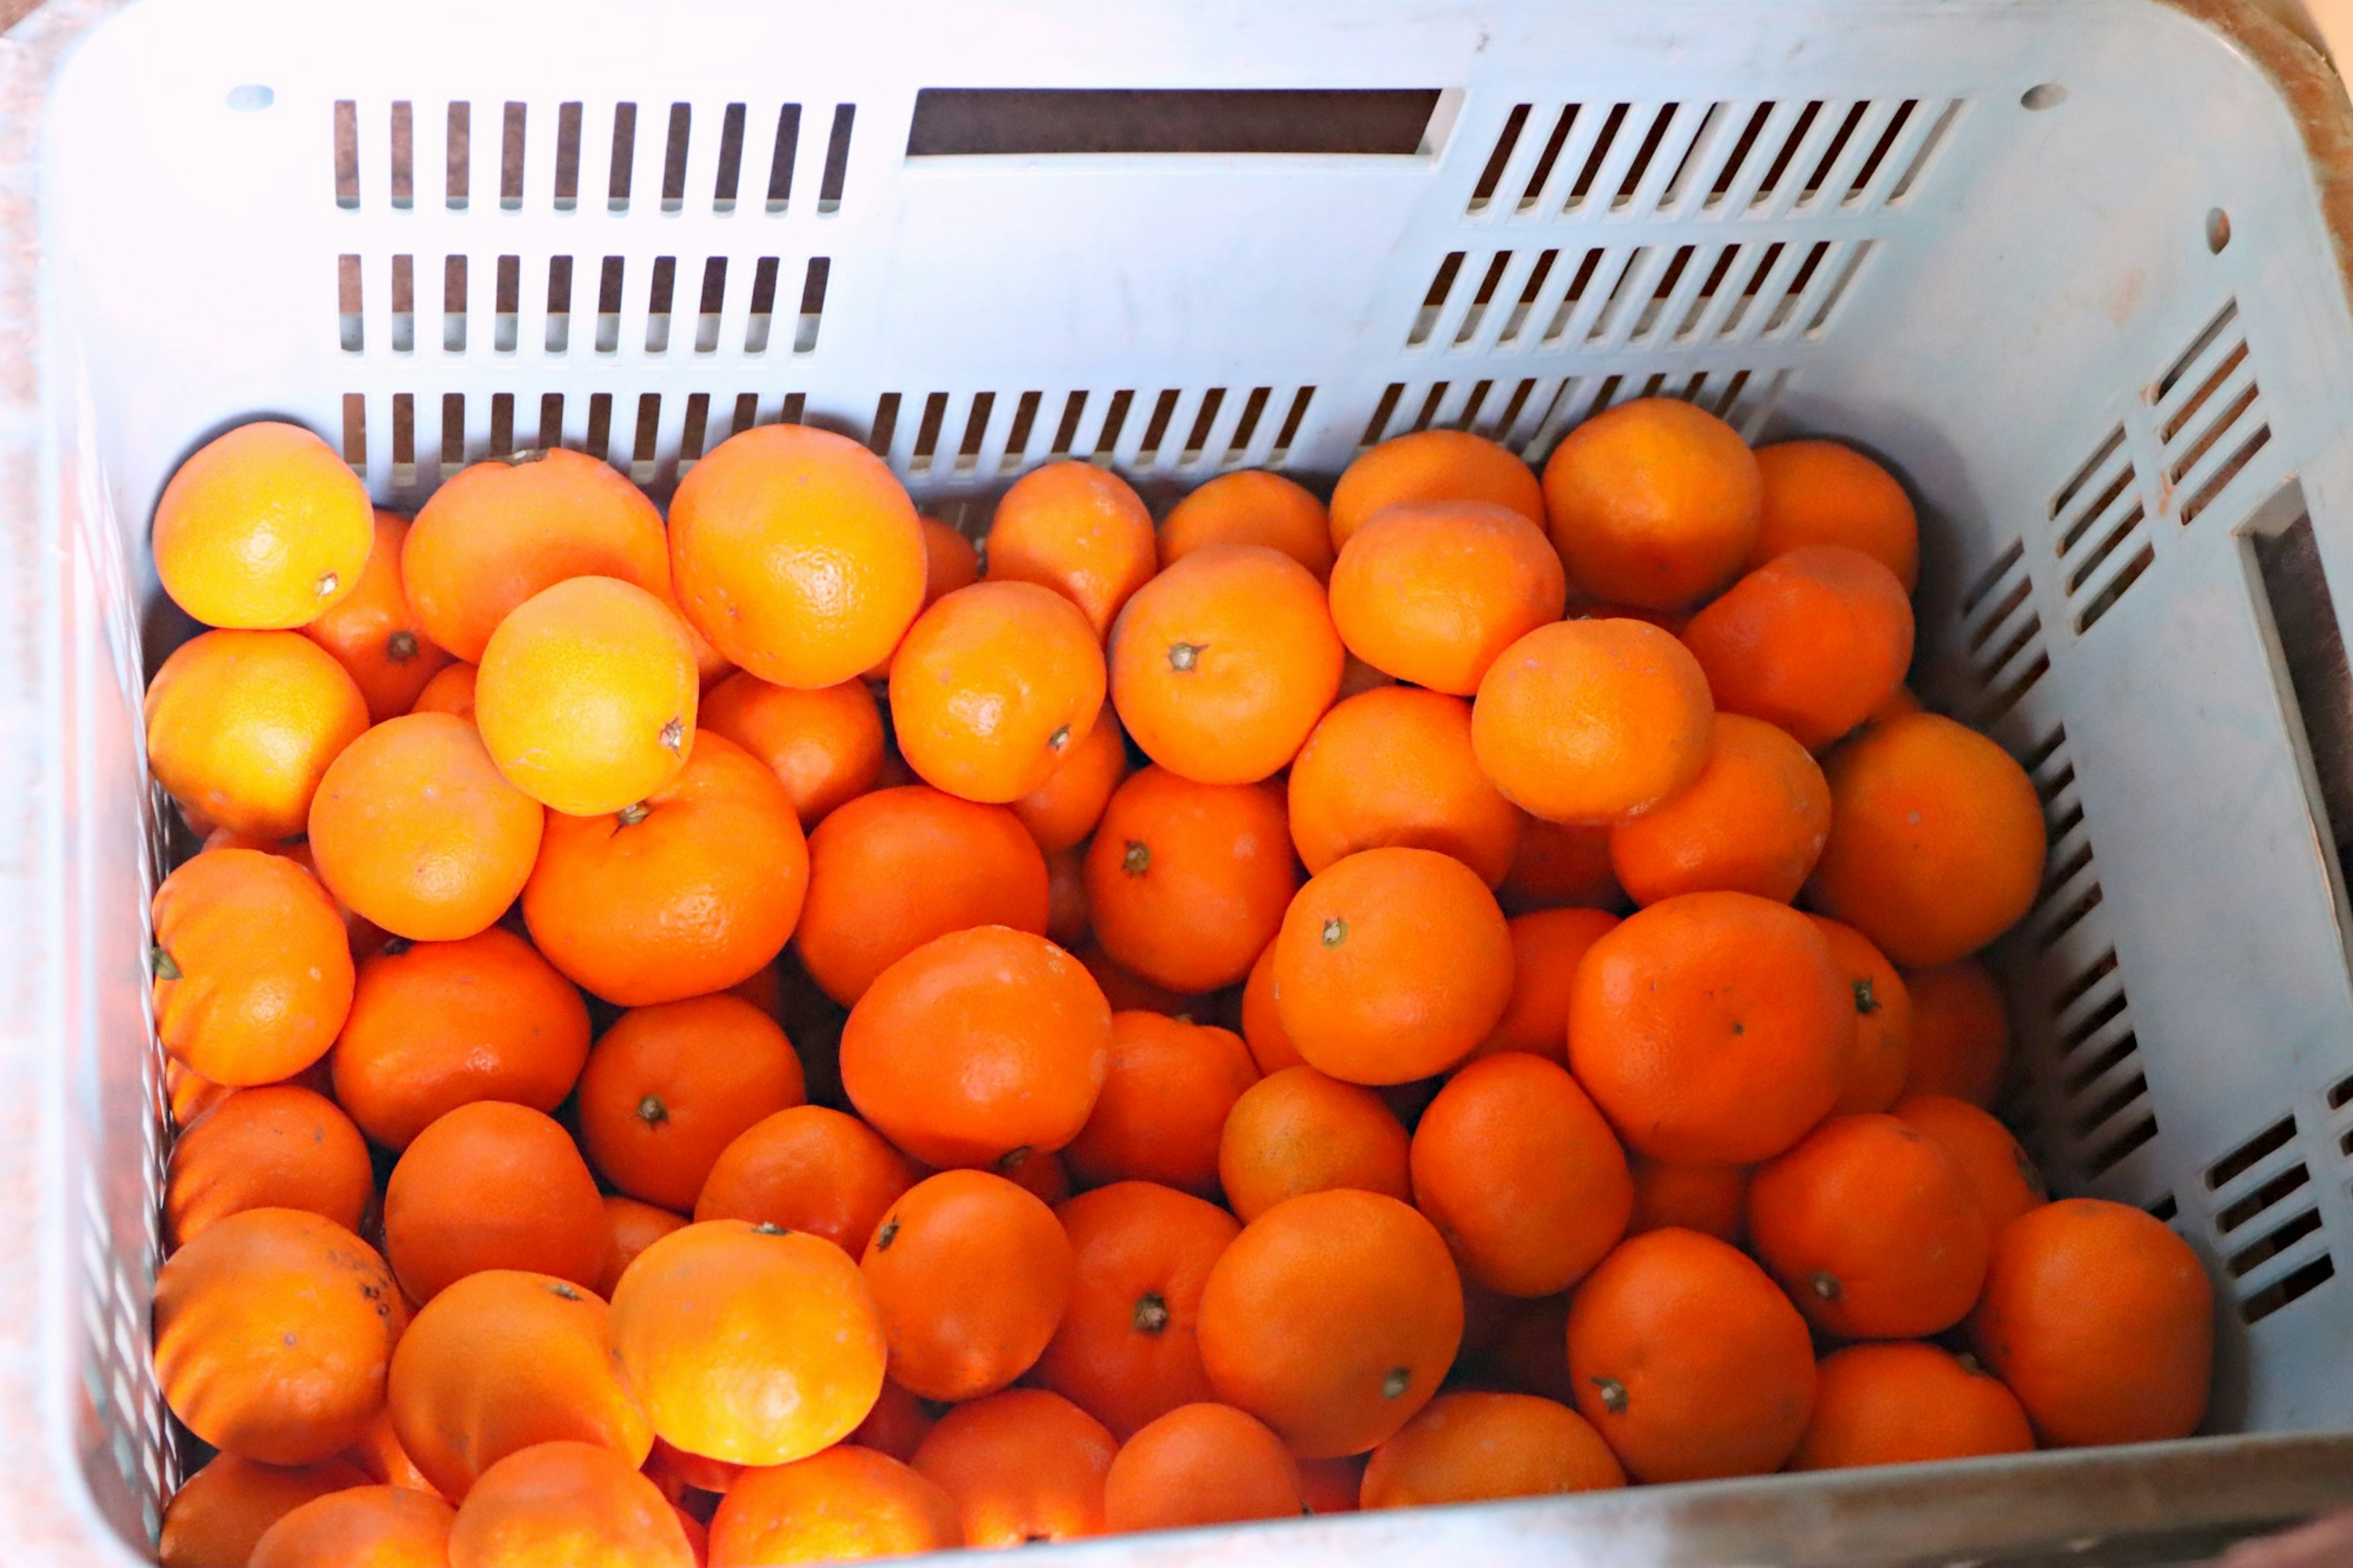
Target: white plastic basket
<point>2074,265</point>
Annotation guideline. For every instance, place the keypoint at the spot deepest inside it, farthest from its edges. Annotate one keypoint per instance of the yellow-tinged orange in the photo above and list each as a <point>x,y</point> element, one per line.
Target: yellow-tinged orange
<point>241,726</point>
<point>262,528</point>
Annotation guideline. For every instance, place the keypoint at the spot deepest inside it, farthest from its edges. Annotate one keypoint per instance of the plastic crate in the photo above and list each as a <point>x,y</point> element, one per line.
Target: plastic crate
<point>2075,267</point>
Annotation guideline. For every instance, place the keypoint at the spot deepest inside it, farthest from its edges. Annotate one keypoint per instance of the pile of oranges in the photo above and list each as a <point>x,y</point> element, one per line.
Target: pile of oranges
<point>747,1038</point>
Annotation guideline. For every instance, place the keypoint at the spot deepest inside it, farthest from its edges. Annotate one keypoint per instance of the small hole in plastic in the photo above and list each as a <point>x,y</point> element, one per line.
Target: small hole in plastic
<point>2045,95</point>
<point>2218,230</point>
<point>251,96</point>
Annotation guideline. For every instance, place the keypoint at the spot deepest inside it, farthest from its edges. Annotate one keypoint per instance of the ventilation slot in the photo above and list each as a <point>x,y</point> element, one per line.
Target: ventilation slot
<point>2210,415</point>
<point>2004,645</point>
<point>2266,1222</point>
<point>2098,529</point>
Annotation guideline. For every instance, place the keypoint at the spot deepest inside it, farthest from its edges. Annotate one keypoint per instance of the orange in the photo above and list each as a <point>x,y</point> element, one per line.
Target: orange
<point>1904,1404</point>
<point>1820,492</point>
<point>1330,1486</point>
<point>977,1045</point>
<point>1044,1176</point>
<point>898,1423</point>
<point>379,1527</point>
<point>379,1455</point>
<point>1186,882</point>
<point>670,1086</point>
<point>993,686</point>
<point>498,532</point>
<point>444,1022</point>
<point>1332,1318</point>
<point>1431,592</point>
<point>1221,664</point>
<point>450,691</point>
<point>676,1472</point>
<point>1653,503</point>
<point>2101,1321</point>
<point>1593,721</point>
<point>416,829</point>
<point>1710,1199</point>
<point>252,971</point>
<point>241,727</point>
<point>189,1095</point>
<point>843,1504</point>
<point>950,560</point>
<point>689,892</point>
<point>1960,1032</point>
<point>272,1147</point>
<point>1432,465</point>
<point>1392,964</point>
<point>808,1169</point>
<point>492,1185</point>
<point>748,1343</point>
<point>574,1504</point>
<point>1689,1362</point>
<point>1999,1170</point>
<point>1200,1464</point>
<point>1126,1350</point>
<point>1561,865</point>
<point>891,870</point>
<point>1521,1175</point>
<point>1711,1029</point>
<point>264,527</point>
<point>1128,992</point>
<point>1814,641</point>
<point>502,1360</point>
<point>1252,507</point>
<point>630,1227</point>
<point>273,1331</point>
<point>1262,1029</point>
<point>1023,1466</point>
<point>367,938</point>
<point>219,1514</point>
<point>970,1275</point>
<point>797,553</point>
<point>1873,1229</point>
<point>1396,766</point>
<point>1079,530</point>
<point>824,746</point>
<point>585,696</point>
<point>374,636</point>
<point>1874,1076</point>
<point>1546,947</point>
<point>1297,1131</point>
<point>1937,840</point>
<point>1474,1447</point>
<point>1061,813</point>
<point>1753,822</point>
<point>1164,1103</point>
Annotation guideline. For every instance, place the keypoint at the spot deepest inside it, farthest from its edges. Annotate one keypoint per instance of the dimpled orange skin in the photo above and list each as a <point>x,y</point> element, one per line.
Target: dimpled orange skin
<point>970,1275</point>
<point>492,1185</point>
<point>1079,530</point>
<point>1937,840</point>
<point>1904,1404</point>
<point>585,696</point>
<point>1332,1318</point>
<point>274,1333</point>
<point>260,972</point>
<point>277,1146</point>
<point>1474,1447</point>
<point>1711,1029</point>
<point>811,1169</point>
<point>668,1086</point>
<point>1753,822</point>
<point>1252,507</point>
<point>824,746</point>
<point>414,827</point>
<point>502,1360</point>
<point>1820,492</point>
<point>1394,765</point>
<point>1391,965</point>
<point>1061,813</point>
<point>498,532</point>
<point>1024,1466</point>
<point>1430,592</point>
<point>1432,465</point>
<point>2002,1172</point>
<point>1814,640</point>
<point>374,635</point>
<point>1593,721</point>
<point>1221,664</point>
<point>977,1044</point>
<point>698,895</point>
<point>1164,1104</point>
<point>1521,1175</point>
<point>992,687</point>
<point>1297,1131</point>
<point>1689,1362</point>
<point>753,1346</point>
<point>845,1504</point>
<point>1546,947</point>
<point>1186,882</point>
<point>797,553</point>
<point>2101,1321</point>
<point>263,528</point>
<point>221,1511</point>
<point>242,725</point>
<point>373,1527</point>
<point>1653,503</point>
<point>574,1504</point>
<point>1200,1464</point>
<point>1875,1069</point>
<point>1960,1032</point>
<point>450,691</point>
<point>631,1227</point>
